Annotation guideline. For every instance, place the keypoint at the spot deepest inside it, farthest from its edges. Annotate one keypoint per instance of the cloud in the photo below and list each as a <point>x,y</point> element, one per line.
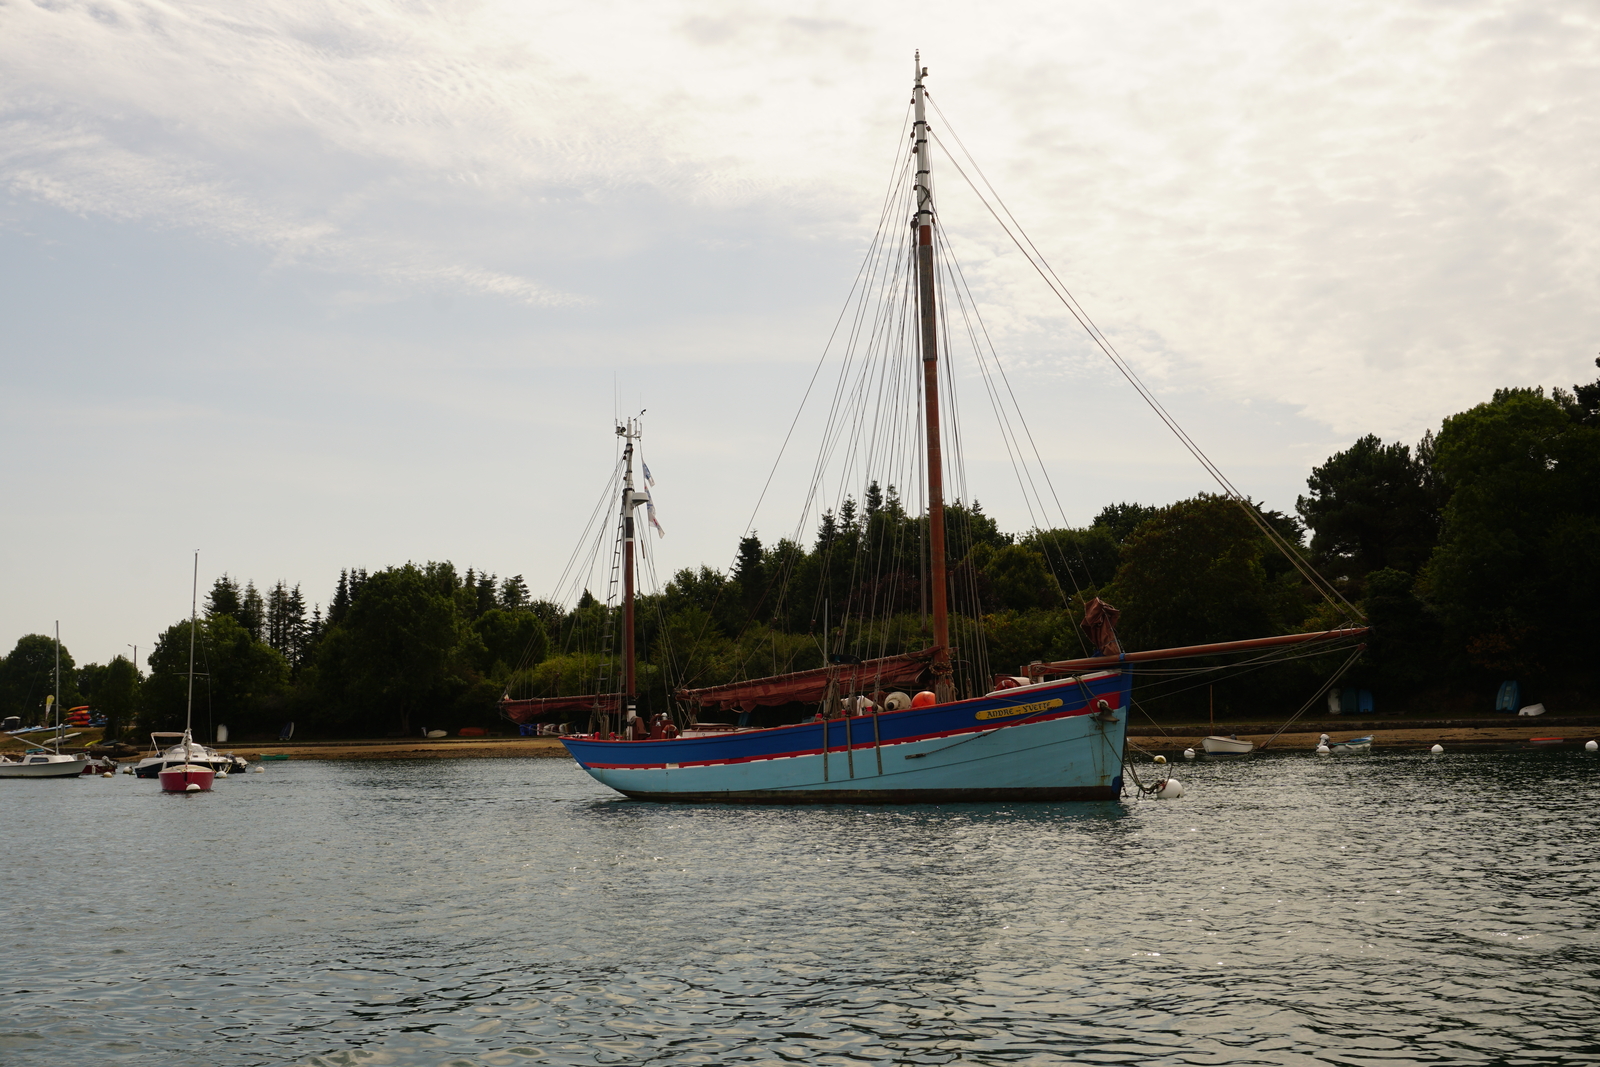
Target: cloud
<point>1375,213</point>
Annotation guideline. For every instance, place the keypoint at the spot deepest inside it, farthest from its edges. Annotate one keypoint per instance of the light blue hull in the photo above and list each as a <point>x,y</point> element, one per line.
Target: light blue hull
<point>1061,741</point>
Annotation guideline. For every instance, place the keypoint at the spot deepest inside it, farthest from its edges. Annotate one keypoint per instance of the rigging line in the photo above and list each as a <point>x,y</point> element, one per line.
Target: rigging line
<point>1318,695</point>
<point>888,195</point>
<point>605,497</point>
<point>1027,429</point>
<point>1154,690</point>
<point>1036,259</point>
<point>1006,433</point>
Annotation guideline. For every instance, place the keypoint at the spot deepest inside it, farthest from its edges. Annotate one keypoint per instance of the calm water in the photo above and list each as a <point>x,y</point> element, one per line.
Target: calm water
<point>1289,910</point>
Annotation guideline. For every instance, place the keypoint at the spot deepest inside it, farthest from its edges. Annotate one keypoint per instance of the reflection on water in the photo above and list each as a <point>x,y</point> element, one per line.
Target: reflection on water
<point>1289,910</point>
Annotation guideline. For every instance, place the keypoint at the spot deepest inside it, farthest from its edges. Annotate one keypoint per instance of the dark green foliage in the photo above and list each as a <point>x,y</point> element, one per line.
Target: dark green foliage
<point>1195,573</point>
<point>393,654</point>
<point>27,676</point>
<point>239,680</point>
<point>750,574</point>
<point>252,614</point>
<point>511,638</point>
<point>1120,520</point>
<point>117,696</point>
<point>1370,507</point>
<point>1079,560</point>
<point>224,598</point>
<point>1019,579</point>
<point>1516,574</point>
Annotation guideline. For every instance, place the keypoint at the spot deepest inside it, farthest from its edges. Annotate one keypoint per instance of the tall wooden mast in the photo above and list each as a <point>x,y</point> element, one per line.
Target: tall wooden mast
<point>923,223</point>
<point>629,433</point>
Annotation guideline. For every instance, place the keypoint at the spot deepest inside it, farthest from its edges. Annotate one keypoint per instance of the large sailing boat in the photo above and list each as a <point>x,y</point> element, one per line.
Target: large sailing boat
<point>1056,733</point>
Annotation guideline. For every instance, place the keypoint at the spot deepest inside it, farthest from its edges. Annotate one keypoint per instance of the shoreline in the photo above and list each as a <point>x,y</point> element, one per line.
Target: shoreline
<point>1145,738</point>
<point>1397,735</point>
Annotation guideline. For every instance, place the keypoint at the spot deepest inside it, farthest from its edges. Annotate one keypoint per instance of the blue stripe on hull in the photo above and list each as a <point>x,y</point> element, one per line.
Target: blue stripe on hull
<point>1039,743</point>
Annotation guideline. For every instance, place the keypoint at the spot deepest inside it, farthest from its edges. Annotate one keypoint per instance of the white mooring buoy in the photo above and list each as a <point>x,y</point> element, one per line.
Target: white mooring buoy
<point>260,770</point>
<point>1171,789</point>
<point>1436,749</point>
<point>1188,753</point>
<point>192,787</point>
<point>1323,750</point>
<point>108,774</point>
<point>1591,746</point>
<point>1161,759</point>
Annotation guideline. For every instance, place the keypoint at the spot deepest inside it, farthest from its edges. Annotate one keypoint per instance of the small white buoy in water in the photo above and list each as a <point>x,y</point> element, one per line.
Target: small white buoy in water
<point>1592,746</point>
<point>1171,789</point>
<point>1161,759</point>
<point>1436,749</point>
<point>1188,753</point>
<point>192,787</point>
<point>260,770</point>
<point>108,774</point>
<point>1323,750</point>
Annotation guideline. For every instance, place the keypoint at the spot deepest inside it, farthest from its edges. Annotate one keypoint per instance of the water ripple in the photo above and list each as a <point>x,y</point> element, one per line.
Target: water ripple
<point>1387,910</point>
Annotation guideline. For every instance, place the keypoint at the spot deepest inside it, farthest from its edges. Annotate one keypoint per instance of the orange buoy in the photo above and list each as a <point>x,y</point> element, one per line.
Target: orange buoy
<point>924,699</point>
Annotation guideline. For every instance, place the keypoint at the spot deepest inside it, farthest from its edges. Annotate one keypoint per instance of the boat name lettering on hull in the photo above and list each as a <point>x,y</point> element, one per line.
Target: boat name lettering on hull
<point>1020,709</point>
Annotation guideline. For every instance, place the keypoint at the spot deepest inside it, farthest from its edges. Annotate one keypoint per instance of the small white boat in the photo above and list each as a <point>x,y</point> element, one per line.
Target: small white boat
<point>1355,746</point>
<point>1228,746</point>
<point>189,775</point>
<point>41,762</point>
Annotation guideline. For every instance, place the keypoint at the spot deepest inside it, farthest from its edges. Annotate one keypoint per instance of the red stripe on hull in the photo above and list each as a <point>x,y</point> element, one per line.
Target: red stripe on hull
<point>855,746</point>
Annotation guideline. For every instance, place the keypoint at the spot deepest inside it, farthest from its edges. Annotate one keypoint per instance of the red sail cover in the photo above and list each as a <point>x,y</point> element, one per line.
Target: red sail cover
<point>520,711</point>
<point>1100,623</point>
<point>810,686</point>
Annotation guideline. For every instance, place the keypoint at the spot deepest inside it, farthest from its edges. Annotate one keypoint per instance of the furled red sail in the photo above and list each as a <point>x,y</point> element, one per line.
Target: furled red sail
<point>811,686</point>
<point>521,711</point>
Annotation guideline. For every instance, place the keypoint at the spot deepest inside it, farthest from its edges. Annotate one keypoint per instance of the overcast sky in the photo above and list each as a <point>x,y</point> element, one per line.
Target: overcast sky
<point>326,284</point>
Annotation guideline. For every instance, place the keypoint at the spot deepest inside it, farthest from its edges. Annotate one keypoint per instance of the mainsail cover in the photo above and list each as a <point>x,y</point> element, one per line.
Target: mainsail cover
<point>811,686</point>
<point>520,711</point>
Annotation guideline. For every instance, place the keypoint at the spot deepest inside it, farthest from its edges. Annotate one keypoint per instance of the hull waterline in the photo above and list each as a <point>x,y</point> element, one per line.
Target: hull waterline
<point>1055,741</point>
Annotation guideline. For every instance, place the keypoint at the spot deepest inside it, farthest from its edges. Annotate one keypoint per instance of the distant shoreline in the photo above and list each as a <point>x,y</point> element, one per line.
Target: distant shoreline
<point>1152,739</point>
<point>1395,734</point>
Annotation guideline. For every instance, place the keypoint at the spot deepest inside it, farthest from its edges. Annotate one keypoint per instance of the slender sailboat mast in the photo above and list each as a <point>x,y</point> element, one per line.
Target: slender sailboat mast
<point>929,318</point>
<point>630,433</point>
<point>188,711</point>
<point>57,701</point>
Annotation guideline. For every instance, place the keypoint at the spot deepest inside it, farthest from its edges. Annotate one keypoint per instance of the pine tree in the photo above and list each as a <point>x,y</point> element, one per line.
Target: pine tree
<point>514,593</point>
<point>340,604</point>
<point>223,598</point>
<point>252,611</point>
<point>485,592</point>
<point>750,572</point>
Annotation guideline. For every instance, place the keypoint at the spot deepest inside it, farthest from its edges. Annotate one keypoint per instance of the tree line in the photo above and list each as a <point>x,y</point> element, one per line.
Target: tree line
<point>1475,555</point>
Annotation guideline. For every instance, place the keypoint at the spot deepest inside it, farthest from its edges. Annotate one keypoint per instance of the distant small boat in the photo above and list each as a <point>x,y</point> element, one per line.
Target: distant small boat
<point>1546,740</point>
<point>190,775</point>
<point>1228,746</point>
<point>40,762</point>
<point>1355,746</point>
<point>271,757</point>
